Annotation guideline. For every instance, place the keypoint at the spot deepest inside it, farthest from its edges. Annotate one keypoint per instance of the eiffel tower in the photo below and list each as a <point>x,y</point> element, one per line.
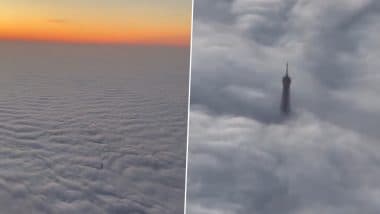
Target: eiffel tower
<point>285,101</point>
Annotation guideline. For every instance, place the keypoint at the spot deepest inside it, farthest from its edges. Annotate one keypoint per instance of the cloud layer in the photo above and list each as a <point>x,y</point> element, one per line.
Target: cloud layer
<point>239,165</point>
<point>244,157</point>
<point>92,129</point>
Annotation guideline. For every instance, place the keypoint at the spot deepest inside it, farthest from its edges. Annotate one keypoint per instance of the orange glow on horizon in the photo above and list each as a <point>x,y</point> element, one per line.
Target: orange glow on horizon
<point>132,26</point>
<point>136,38</point>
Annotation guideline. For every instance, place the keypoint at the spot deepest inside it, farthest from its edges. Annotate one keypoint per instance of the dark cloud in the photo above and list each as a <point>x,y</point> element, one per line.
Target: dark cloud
<point>265,22</point>
<point>213,11</point>
<point>257,162</point>
<point>333,50</point>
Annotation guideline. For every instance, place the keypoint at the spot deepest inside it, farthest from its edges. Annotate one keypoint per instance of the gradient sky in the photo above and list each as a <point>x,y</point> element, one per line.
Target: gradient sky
<point>113,21</point>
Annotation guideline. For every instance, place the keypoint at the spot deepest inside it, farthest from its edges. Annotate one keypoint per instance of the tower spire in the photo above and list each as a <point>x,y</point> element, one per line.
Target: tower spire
<point>287,69</point>
<point>285,101</point>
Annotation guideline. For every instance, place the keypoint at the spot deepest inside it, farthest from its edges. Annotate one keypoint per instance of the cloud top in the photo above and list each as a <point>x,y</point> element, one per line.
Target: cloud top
<point>244,158</point>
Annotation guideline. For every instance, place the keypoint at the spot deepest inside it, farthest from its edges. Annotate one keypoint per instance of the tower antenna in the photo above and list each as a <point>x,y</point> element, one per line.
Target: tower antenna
<point>287,65</point>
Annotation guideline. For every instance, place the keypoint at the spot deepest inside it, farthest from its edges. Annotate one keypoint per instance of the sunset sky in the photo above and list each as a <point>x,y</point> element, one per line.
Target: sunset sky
<point>95,21</point>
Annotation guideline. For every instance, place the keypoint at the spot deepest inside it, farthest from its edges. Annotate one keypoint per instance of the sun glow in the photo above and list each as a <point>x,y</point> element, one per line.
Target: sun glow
<point>138,24</point>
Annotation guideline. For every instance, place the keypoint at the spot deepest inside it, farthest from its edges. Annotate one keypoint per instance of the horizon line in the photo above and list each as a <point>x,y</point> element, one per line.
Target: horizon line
<point>100,43</point>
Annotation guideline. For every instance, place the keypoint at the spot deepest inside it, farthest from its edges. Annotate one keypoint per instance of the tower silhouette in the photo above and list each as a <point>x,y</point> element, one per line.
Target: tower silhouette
<point>285,101</point>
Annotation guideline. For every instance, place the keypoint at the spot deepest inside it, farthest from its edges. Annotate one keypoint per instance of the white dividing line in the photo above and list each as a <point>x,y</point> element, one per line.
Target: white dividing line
<point>188,105</point>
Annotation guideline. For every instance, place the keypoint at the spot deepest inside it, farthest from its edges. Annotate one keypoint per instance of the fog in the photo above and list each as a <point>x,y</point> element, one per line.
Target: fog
<point>244,157</point>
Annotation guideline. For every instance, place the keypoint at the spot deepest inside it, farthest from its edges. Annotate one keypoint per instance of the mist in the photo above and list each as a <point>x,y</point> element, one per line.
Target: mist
<point>243,156</point>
